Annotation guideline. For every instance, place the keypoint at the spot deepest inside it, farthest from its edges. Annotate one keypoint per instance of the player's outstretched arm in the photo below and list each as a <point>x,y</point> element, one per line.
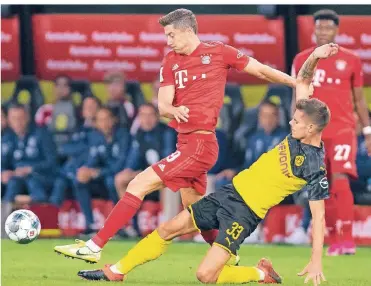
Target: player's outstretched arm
<point>165,105</point>
<point>314,268</point>
<point>259,70</point>
<point>304,89</point>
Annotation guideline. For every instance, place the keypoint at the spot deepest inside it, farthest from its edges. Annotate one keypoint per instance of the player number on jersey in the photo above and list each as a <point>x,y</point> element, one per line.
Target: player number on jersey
<point>319,77</point>
<point>173,156</point>
<point>342,152</point>
<point>235,231</point>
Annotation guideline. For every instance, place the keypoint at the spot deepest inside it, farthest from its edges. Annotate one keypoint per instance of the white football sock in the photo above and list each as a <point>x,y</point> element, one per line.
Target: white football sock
<point>115,270</point>
<point>93,247</point>
<point>261,274</point>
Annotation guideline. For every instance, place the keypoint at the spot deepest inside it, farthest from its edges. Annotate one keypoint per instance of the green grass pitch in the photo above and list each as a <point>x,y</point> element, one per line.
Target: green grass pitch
<point>37,264</point>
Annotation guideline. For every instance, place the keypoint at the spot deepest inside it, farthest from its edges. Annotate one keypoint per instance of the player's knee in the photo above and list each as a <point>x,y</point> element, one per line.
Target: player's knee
<point>206,276</point>
<point>165,231</point>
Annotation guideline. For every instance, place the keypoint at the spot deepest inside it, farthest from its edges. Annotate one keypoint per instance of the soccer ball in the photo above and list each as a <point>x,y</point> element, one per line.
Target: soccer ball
<point>22,226</point>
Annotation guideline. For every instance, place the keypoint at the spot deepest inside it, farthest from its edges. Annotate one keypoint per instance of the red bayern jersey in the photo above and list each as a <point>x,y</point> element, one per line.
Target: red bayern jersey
<point>199,80</point>
<point>333,81</point>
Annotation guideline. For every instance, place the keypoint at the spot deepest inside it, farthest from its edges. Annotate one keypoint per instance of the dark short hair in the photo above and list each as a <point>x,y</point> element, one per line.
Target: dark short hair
<point>180,18</point>
<point>327,14</point>
<point>16,105</point>
<point>149,105</point>
<point>108,109</point>
<point>269,103</point>
<point>112,76</point>
<point>59,76</point>
<point>316,110</point>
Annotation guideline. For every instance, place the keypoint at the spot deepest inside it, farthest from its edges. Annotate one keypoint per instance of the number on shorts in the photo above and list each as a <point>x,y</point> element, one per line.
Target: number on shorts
<point>173,156</point>
<point>235,231</point>
<point>342,152</point>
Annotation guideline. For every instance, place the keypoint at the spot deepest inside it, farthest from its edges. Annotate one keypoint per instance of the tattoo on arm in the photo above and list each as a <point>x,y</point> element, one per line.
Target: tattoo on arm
<point>307,70</point>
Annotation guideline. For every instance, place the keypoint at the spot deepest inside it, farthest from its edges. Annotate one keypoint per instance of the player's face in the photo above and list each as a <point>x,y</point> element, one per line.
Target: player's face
<point>177,39</point>
<point>104,121</point>
<point>301,126</point>
<point>325,32</point>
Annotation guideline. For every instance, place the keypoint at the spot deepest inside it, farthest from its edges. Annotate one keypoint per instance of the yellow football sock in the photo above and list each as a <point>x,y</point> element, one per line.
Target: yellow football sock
<point>149,248</point>
<point>238,274</point>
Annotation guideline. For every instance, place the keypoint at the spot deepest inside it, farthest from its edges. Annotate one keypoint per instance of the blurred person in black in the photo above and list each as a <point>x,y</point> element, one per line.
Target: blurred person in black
<point>32,165</point>
<point>76,151</point>
<point>118,99</point>
<point>153,140</point>
<point>108,149</point>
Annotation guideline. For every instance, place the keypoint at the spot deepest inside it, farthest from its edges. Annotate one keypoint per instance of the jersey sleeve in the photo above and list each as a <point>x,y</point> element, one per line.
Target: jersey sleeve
<point>357,78</point>
<point>166,74</point>
<point>317,184</point>
<point>234,58</point>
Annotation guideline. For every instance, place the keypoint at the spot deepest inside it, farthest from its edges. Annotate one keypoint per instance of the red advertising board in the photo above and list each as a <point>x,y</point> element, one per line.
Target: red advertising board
<point>354,34</point>
<point>85,46</point>
<point>10,62</point>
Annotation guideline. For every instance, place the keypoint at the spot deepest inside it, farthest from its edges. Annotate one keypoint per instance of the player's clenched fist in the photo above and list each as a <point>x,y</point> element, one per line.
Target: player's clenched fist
<point>325,51</point>
<point>180,113</point>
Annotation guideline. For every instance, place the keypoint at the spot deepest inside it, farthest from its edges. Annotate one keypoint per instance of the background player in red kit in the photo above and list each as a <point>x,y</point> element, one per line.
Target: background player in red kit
<point>193,78</point>
<point>338,82</point>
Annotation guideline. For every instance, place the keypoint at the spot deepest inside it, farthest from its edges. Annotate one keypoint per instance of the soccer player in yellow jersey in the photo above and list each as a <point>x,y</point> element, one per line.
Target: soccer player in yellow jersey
<point>237,209</point>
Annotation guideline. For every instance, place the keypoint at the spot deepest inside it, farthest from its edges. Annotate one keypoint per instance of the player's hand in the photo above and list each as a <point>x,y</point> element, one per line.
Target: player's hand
<point>368,144</point>
<point>326,51</point>
<point>181,113</point>
<point>314,273</point>
<point>23,171</point>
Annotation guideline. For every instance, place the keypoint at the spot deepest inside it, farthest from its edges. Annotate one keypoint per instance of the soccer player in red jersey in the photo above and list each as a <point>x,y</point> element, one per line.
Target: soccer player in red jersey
<point>338,82</point>
<point>193,77</point>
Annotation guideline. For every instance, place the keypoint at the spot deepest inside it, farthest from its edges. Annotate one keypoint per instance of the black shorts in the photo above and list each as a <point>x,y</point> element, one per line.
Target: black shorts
<point>225,210</point>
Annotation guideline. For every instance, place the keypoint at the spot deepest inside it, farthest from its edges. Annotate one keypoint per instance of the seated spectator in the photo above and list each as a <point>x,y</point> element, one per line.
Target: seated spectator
<point>136,123</point>
<point>76,151</point>
<point>268,134</point>
<point>108,150</point>
<point>7,145</point>
<point>153,141</point>
<point>118,100</point>
<point>32,166</point>
<point>62,92</point>
<point>361,188</point>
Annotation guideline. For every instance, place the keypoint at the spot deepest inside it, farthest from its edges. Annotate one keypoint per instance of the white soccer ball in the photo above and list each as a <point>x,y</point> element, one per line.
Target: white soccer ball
<point>22,226</point>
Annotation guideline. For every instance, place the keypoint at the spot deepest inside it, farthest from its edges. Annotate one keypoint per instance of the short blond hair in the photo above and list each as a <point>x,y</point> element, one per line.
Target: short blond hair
<point>180,18</point>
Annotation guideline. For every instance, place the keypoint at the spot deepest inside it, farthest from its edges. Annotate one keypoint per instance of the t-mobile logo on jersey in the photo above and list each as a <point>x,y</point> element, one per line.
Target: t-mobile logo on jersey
<point>181,77</point>
<point>320,77</point>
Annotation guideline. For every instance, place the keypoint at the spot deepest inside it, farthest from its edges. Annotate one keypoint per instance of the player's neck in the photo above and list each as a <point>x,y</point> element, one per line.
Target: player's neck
<point>313,140</point>
<point>192,46</point>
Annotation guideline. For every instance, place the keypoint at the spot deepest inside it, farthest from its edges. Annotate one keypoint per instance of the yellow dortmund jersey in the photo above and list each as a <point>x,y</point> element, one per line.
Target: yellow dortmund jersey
<point>282,171</point>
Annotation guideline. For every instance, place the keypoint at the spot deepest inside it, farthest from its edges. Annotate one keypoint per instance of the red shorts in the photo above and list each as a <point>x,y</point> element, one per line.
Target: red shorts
<point>341,152</point>
<point>187,167</point>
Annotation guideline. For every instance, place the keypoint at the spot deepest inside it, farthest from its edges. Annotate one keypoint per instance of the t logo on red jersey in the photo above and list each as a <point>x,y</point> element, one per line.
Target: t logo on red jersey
<point>181,78</point>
